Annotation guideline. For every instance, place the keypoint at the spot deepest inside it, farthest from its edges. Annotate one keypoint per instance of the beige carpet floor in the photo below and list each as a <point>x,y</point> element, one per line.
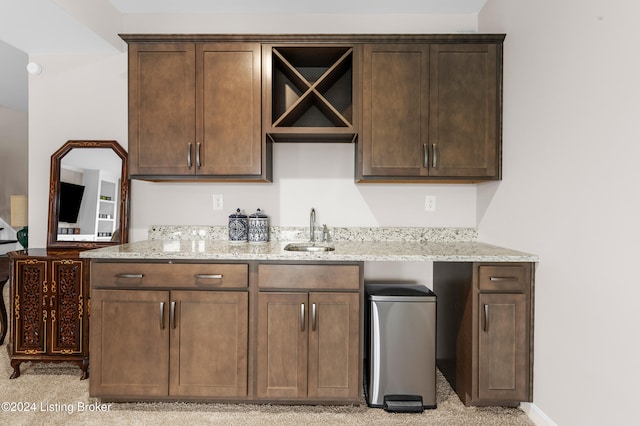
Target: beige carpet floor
<point>52,394</point>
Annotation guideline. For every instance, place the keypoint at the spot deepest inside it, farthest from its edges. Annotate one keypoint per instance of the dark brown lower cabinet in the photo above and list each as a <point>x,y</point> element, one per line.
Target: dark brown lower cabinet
<point>169,343</point>
<point>49,309</point>
<point>308,345</point>
<point>485,330</point>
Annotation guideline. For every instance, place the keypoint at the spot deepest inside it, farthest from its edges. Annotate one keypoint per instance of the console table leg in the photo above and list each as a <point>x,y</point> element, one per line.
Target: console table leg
<point>16,368</point>
<point>85,368</point>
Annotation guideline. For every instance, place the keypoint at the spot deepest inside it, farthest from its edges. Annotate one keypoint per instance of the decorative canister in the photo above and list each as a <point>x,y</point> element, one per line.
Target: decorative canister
<point>258,227</point>
<point>238,227</point>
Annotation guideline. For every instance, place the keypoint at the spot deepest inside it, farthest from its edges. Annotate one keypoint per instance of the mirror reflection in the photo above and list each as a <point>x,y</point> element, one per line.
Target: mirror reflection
<point>89,195</point>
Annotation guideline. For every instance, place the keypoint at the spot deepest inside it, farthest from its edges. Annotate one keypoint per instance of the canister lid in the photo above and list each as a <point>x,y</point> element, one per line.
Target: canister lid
<point>238,215</point>
<point>258,214</point>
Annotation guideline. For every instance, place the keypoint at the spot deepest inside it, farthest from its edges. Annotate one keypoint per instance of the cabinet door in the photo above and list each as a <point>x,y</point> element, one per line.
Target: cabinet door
<point>464,129</point>
<point>129,343</point>
<point>31,294</point>
<point>66,306</point>
<point>334,326</point>
<point>228,109</point>
<point>209,337</point>
<point>503,356</point>
<point>395,110</point>
<point>282,345</point>
<point>162,110</point>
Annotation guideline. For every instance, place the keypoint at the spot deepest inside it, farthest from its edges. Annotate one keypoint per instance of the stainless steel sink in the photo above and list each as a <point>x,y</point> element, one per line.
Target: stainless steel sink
<point>308,247</point>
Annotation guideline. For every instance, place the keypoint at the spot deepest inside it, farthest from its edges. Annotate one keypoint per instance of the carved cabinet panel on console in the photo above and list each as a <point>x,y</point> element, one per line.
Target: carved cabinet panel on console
<point>48,309</point>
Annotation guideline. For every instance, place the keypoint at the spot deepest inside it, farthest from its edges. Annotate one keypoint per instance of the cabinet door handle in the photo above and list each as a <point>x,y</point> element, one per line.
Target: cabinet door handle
<point>161,315</point>
<point>313,317</point>
<point>486,317</point>
<point>434,155</point>
<point>52,301</point>
<point>302,317</point>
<point>208,276</point>
<point>172,313</point>
<point>138,276</point>
<point>498,279</point>
<point>425,155</point>
<point>198,155</point>
<point>189,155</point>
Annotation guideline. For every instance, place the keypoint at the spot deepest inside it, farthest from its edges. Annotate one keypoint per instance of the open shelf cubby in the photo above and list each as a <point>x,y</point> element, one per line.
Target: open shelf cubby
<point>312,93</point>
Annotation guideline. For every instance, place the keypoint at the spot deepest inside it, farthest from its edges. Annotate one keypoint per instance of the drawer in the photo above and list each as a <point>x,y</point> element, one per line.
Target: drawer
<point>345,277</point>
<point>169,275</point>
<point>503,278</point>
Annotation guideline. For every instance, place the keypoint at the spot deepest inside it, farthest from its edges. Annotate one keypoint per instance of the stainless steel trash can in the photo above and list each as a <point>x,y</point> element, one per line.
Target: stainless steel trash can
<point>400,347</point>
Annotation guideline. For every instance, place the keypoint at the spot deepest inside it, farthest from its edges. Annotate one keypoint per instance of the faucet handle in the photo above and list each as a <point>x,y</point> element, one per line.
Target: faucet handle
<point>326,237</point>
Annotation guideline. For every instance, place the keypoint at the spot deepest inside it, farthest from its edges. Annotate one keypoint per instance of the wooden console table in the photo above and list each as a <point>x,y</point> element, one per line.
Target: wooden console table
<point>49,309</point>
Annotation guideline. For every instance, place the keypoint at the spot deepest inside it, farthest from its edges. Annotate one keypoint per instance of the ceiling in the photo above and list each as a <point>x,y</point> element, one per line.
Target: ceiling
<point>91,26</point>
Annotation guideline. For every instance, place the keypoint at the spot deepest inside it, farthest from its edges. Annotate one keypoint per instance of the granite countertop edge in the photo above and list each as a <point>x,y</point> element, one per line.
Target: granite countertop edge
<point>402,245</point>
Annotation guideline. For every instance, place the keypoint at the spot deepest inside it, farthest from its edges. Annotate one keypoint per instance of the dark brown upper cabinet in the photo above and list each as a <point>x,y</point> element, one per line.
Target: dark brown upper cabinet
<point>195,111</point>
<point>431,112</point>
<point>419,107</point>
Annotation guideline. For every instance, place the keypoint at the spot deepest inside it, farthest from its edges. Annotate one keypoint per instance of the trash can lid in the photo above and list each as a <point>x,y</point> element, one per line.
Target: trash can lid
<point>398,290</point>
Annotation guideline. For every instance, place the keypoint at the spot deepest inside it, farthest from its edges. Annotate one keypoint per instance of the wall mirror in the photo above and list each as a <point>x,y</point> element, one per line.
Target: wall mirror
<point>88,196</point>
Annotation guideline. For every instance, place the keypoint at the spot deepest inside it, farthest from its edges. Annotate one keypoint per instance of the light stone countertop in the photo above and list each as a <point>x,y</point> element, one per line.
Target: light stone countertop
<point>360,244</point>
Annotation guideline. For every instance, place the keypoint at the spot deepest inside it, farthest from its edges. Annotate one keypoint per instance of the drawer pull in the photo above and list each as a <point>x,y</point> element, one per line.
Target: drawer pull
<point>172,313</point>
<point>137,276</point>
<point>208,276</point>
<point>486,317</point>
<point>434,156</point>
<point>498,279</point>
<point>302,317</point>
<point>313,317</point>
<point>161,315</point>
<point>425,155</point>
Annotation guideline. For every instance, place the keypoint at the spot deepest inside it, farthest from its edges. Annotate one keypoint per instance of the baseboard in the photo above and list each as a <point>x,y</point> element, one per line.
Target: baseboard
<point>536,415</point>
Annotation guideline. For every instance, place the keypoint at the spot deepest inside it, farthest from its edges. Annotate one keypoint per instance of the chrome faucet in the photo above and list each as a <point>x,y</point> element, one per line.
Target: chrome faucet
<point>312,225</point>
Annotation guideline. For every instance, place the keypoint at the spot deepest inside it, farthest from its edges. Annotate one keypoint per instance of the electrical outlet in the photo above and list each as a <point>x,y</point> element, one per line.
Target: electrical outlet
<point>430,203</point>
<point>217,202</point>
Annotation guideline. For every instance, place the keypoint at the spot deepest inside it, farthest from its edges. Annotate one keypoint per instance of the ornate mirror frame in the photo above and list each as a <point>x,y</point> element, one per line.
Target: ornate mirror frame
<point>53,242</point>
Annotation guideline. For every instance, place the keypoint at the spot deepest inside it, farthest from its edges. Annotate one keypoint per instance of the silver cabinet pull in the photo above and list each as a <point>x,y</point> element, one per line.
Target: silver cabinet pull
<point>161,315</point>
<point>313,317</point>
<point>498,279</point>
<point>137,276</point>
<point>302,317</point>
<point>189,155</point>
<point>425,155</point>
<point>172,313</point>
<point>486,317</point>
<point>198,164</point>
<point>434,156</point>
<point>208,276</point>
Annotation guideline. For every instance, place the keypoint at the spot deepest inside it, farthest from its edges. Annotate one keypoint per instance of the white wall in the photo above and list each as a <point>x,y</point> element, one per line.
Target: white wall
<point>570,194</point>
<point>13,126</point>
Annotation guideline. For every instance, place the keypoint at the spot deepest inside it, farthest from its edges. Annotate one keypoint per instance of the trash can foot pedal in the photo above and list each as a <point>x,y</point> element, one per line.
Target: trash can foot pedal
<point>403,403</point>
